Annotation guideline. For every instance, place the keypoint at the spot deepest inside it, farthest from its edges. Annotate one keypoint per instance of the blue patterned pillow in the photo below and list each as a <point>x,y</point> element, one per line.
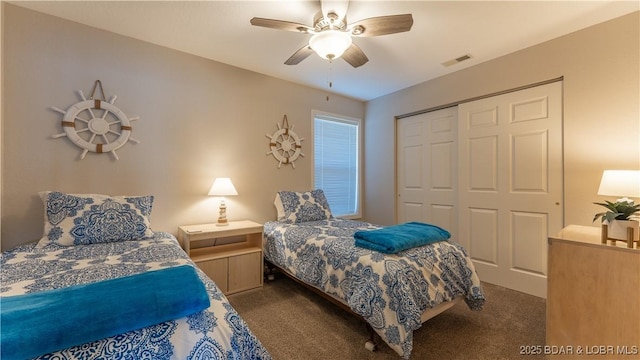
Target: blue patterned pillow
<point>76,219</point>
<point>296,207</point>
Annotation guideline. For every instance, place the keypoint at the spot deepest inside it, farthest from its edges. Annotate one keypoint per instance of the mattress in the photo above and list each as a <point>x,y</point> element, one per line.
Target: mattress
<point>215,333</point>
<point>390,291</point>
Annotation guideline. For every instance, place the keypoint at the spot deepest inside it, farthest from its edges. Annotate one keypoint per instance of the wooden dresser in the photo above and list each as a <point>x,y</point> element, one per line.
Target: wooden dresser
<point>593,297</point>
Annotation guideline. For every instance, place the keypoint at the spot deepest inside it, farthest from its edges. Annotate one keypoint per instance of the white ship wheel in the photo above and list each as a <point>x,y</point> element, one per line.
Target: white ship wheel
<point>91,131</point>
<point>286,145</point>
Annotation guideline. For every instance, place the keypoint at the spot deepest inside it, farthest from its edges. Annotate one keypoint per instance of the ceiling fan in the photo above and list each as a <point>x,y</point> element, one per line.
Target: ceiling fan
<point>331,34</point>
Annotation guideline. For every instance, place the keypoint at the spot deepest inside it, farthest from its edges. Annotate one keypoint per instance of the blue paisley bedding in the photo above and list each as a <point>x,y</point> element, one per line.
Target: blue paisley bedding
<point>217,332</point>
<point>390,291</point>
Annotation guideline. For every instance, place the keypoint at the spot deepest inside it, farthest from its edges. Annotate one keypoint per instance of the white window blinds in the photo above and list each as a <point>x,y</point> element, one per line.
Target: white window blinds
<point>336,162</point>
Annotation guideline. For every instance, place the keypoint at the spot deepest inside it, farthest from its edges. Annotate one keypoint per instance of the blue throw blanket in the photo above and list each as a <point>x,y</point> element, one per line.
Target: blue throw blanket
<point>42,322</point>
<point>396,238</point>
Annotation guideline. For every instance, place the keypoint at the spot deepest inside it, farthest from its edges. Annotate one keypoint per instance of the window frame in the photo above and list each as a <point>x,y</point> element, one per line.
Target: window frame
<point>323,115</point>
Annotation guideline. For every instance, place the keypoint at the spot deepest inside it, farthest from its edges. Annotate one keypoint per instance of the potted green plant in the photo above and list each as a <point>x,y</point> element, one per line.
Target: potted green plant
<point>618,218</point>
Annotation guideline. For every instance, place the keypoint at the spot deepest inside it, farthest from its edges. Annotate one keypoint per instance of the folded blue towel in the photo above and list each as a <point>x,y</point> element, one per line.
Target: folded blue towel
<point>43,322</point>
<point>393,239</point>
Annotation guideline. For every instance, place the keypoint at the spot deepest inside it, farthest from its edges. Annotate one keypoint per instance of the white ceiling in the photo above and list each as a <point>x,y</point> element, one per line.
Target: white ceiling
<point>442,30</point>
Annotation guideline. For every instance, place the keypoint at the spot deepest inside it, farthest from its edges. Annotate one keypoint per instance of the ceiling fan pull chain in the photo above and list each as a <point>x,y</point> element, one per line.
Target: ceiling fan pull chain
<point>329,77</point>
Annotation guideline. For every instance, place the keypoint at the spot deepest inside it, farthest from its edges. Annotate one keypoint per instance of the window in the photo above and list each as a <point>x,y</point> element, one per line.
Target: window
<point>336,162</point>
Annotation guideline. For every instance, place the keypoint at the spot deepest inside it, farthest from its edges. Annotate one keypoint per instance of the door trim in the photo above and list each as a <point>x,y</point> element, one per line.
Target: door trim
<point>456,103</point>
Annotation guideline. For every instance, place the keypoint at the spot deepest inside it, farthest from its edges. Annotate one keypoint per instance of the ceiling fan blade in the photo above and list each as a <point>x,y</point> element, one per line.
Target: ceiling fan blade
<point>299,55</point>
<point>355,56</point>
<point>280,25</point>
<point>382,25</point>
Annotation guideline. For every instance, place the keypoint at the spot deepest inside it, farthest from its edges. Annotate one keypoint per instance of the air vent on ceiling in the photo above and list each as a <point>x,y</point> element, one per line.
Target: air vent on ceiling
<point>457,60</point>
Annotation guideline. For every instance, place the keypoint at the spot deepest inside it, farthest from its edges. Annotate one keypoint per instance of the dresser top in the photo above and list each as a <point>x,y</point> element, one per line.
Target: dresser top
<point>589,236</point>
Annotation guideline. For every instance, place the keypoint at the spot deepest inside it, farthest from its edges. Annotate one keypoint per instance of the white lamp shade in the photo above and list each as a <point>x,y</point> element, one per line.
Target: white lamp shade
<point>625,183</point>
<point>330,44</point>
<point>222,187</point>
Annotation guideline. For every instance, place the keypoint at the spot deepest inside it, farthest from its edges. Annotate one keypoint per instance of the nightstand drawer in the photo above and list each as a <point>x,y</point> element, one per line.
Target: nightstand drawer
<point>245,272</point>
<point>216,270</point>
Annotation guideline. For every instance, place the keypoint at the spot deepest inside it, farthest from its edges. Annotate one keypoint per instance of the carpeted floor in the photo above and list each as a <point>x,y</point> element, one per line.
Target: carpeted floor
<point>294,323</point>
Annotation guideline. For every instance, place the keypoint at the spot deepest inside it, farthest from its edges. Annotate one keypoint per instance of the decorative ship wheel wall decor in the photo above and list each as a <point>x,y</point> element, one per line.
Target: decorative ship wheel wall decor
<point>286,145</point>
<point>96,125</point>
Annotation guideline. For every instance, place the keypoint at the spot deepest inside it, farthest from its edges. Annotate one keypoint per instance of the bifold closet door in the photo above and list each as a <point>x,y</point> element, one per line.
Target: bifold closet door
<point>426,168</point>
<point>510,184</point>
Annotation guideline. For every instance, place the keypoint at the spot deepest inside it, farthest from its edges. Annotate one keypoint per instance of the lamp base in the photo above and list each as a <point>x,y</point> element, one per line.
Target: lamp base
<point>222,215</point>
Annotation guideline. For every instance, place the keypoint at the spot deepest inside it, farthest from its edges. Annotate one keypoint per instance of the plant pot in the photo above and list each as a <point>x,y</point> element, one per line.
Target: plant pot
<point>617,229</point>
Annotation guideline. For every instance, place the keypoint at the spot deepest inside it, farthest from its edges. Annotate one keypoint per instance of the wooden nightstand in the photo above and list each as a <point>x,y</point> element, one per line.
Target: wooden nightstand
<point>233,266</point>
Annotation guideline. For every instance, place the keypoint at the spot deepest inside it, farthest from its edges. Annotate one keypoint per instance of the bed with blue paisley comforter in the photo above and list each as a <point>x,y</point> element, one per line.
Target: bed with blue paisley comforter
<point>390,291</point>
<point>217,332</point>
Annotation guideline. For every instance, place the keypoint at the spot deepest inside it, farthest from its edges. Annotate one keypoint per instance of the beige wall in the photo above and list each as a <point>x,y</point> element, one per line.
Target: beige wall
<point>199,120</point>
<point>600,66</point>
<point>1,122</point>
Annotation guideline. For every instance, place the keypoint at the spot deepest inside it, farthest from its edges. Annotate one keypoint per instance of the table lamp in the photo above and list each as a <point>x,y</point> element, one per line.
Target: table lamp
<point>222,187</point>
<point>624,183</point>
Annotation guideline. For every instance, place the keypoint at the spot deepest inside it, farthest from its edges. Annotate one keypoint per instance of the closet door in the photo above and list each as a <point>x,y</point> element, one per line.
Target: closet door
<point>510,184</point>
<point>427,169</point>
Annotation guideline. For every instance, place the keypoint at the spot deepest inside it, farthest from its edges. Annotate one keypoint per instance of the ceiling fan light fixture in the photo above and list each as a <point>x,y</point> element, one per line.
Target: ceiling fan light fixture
<point>330,44</point>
